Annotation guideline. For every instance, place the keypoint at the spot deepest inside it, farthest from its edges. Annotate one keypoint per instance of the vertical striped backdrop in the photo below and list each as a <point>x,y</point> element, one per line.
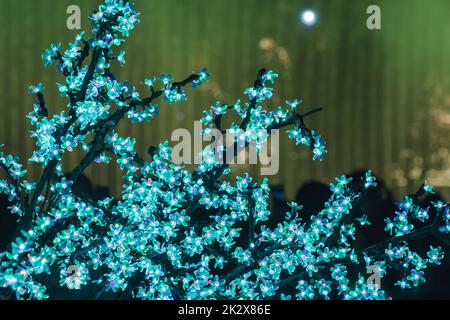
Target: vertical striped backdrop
<point>386,93</point>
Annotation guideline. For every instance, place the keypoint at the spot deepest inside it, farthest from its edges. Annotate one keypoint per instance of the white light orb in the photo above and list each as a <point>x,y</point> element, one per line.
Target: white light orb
<point>308,17</point>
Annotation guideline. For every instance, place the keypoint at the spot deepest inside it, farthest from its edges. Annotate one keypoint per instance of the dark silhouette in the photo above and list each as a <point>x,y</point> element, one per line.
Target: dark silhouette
<point>82,187</point>
<point>8,223</point>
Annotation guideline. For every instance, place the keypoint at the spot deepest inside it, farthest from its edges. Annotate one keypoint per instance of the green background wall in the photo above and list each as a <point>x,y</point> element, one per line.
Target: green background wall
<point>386,93</point>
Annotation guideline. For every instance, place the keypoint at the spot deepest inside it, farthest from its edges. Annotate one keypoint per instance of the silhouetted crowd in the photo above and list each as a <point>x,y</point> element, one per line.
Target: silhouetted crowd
<point>378,204</point>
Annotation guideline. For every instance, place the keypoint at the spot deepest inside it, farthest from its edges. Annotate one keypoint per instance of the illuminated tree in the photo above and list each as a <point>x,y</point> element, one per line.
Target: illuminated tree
<point>176,233</point>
